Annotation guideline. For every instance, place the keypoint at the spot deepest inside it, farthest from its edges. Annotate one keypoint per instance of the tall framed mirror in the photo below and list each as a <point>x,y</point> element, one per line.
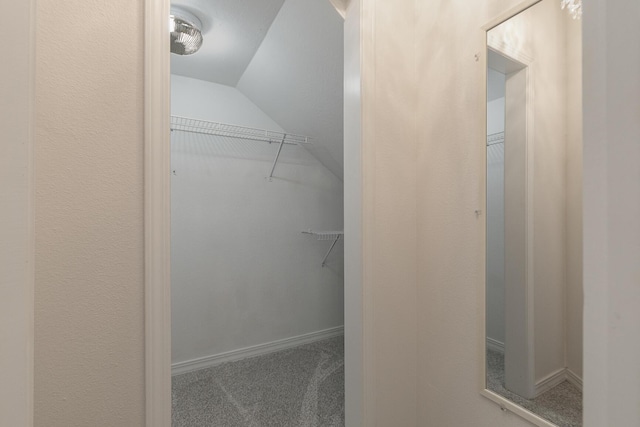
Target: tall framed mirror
<point>533,286</point>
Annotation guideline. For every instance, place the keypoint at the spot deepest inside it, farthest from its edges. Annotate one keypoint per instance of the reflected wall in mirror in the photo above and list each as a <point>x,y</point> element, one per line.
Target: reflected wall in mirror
<point>534,214</point>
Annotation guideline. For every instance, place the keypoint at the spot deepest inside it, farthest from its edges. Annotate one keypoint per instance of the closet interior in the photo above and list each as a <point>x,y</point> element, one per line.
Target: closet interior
<point>257,260</point>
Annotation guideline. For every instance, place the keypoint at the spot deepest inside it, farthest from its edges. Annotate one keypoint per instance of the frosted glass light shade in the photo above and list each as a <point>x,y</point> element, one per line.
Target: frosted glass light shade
<point>186,34</point>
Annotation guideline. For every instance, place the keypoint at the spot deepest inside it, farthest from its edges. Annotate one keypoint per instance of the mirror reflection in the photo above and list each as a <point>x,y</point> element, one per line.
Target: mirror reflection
<point>534,208</point>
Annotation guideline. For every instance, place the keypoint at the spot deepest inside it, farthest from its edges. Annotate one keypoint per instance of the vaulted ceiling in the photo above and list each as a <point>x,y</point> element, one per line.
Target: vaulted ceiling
<point>284,55</point>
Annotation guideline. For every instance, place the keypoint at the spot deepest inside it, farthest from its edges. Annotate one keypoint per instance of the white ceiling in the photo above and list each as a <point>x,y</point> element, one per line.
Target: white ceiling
<point>294,72</point>
<point>232,30</point>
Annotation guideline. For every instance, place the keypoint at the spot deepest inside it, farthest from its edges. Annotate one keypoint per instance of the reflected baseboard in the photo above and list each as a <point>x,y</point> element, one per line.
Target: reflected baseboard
<point>550,381</point>
<point>557,378</point>
<point>495,345</point>
<point>574,379</point>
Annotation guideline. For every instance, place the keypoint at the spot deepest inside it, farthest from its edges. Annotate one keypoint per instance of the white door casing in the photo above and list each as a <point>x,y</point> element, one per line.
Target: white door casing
<point>157,211</point>
<point>17,253</point>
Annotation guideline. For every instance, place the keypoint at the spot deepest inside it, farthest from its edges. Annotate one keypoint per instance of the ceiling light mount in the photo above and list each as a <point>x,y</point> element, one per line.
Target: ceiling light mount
<point>186,31</point>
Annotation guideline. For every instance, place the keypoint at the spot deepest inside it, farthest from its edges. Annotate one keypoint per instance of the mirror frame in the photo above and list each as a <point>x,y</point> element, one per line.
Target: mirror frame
<point>504,404</point>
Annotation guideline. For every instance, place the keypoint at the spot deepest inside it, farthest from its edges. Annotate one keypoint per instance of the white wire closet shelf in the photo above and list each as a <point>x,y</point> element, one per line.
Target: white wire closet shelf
<point>326,235</point>
<point>495,138</point>
<point>205,127</point>
<point>234,131</point>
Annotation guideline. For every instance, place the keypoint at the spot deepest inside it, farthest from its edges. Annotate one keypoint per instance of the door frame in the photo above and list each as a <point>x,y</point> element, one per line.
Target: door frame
<point>17,217</point>
<point>157,232</point>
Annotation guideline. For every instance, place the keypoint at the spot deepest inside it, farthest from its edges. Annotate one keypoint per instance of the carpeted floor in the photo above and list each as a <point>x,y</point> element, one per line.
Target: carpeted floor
<point>562,405</point>
<point>301,387</point>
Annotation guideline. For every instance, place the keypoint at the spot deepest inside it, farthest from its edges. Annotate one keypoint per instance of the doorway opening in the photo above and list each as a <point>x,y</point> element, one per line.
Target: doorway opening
<point>257,262</point>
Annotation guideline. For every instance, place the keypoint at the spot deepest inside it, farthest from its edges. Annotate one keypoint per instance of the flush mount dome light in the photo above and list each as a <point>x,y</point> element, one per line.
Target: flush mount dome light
<point>186,32</point>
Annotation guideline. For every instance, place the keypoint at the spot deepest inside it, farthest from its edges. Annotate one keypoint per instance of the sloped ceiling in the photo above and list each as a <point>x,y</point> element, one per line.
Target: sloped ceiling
<point>232,30</point>
<point>294,74</point>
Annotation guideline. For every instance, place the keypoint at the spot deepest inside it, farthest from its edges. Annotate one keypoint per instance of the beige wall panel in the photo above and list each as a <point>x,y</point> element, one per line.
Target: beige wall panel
<point>389,215</point>
<point>89,348</point>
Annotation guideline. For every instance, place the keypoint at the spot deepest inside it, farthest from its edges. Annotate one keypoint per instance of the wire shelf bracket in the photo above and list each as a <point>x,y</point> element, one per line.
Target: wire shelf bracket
<point>204,127</point>
<point>326,235</point>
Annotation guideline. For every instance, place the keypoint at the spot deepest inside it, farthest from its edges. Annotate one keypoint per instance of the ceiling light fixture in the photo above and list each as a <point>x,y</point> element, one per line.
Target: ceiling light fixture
<point>186,32</point>
<point>573,6</point>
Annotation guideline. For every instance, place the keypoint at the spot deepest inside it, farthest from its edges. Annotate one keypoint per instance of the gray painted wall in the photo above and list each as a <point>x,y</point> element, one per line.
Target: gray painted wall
<point>242,273</point>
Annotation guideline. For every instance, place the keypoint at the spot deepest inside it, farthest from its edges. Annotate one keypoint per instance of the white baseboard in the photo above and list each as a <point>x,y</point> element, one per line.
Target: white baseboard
<point>564,374</point>
<point>495,345</point>
<point>256,350</point>
<point>550,381</point>
<point>574,379</point>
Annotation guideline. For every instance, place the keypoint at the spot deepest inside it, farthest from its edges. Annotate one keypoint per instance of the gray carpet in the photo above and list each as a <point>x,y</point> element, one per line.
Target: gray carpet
<point>301,387</point>
<point>562,405</point>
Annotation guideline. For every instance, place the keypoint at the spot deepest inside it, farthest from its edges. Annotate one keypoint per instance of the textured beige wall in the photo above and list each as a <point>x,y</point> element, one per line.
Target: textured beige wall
<point>389,193</point>
<point>89,341</point>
